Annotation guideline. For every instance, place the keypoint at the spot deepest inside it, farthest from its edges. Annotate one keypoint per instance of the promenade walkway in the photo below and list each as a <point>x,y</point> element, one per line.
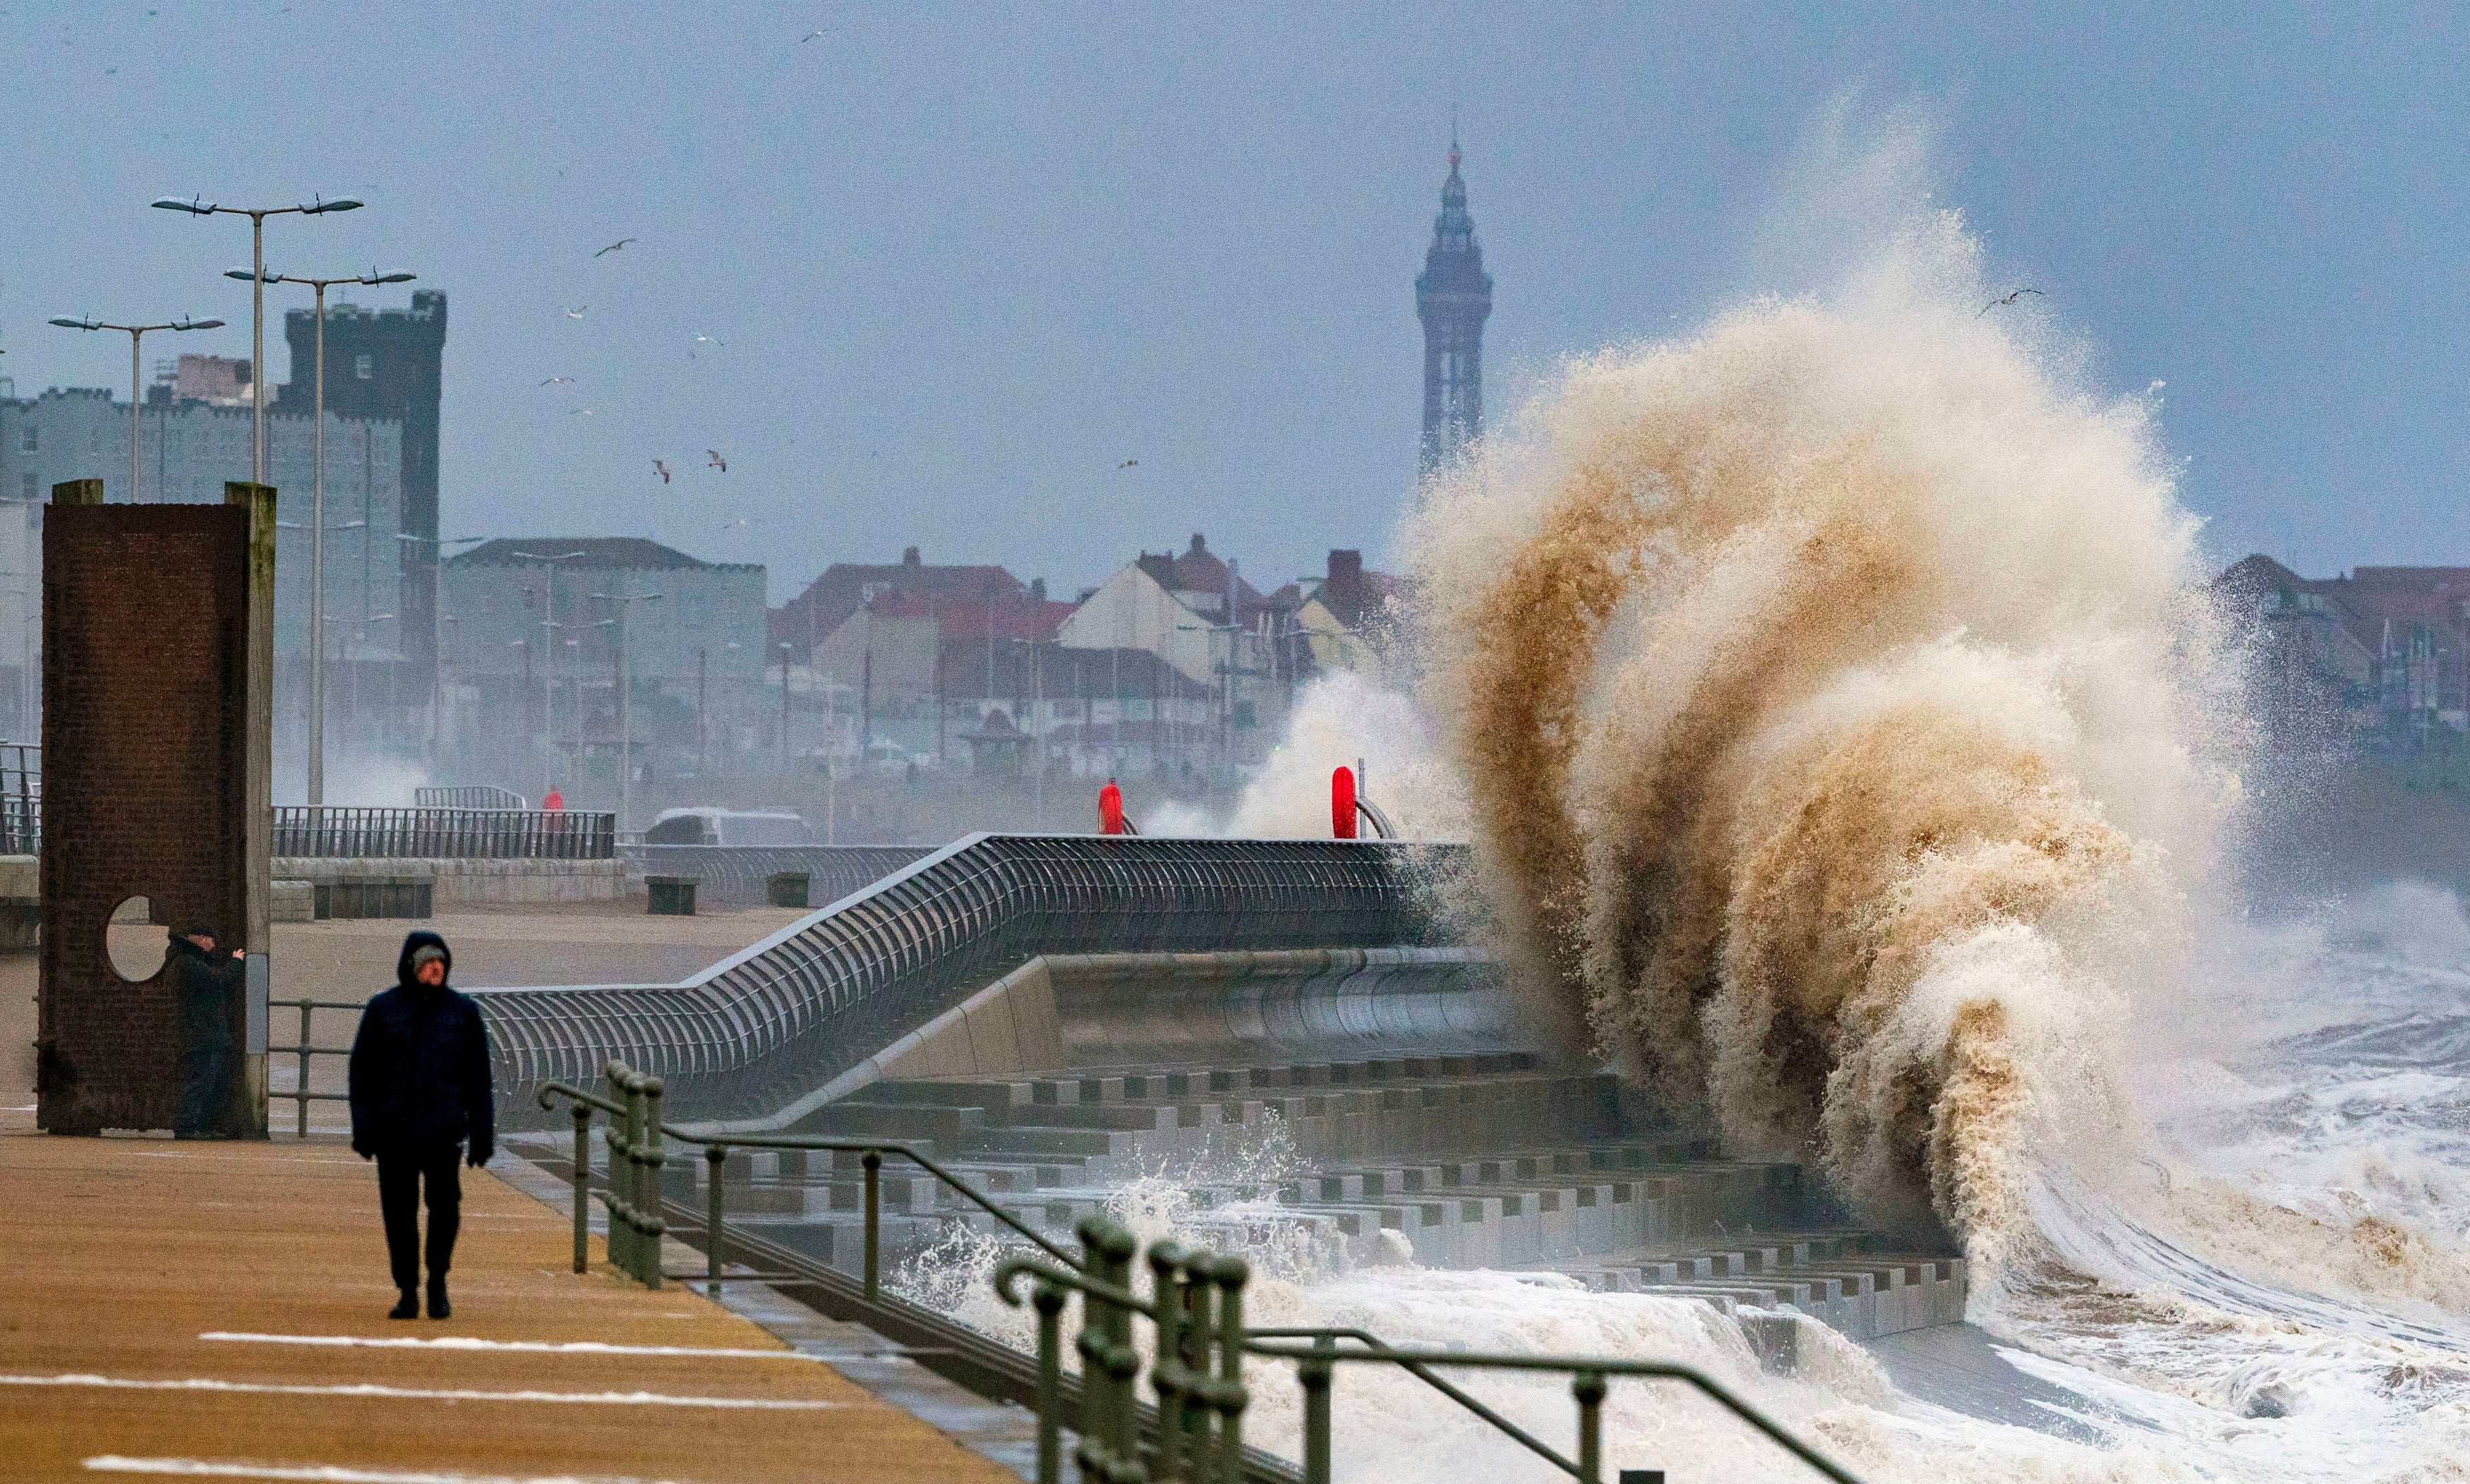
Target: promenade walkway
<point>218,1311</point>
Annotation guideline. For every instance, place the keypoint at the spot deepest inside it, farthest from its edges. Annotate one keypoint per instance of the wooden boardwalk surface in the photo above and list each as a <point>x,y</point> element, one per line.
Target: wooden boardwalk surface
<point>197,1309</point>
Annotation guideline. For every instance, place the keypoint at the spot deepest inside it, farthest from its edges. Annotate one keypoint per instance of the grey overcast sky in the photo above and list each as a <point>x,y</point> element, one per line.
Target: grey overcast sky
<point>957,265</point>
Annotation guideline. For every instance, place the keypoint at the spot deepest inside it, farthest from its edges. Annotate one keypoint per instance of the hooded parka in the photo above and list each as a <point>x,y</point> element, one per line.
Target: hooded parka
<point>420,1066</point>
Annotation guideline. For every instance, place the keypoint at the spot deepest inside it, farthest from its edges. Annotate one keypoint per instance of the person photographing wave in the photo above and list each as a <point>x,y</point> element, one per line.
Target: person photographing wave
<point>205,986</point>
<point>421,1100</point>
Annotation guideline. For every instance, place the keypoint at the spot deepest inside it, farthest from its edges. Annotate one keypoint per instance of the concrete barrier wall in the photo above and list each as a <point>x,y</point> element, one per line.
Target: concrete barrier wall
<point>457,881</point>
<point>1090,1011</point>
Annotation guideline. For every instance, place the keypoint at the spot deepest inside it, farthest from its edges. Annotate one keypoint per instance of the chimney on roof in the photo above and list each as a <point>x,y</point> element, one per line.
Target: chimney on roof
<point>909,556</point>
<point>1037,590</point>
<point>1347,569</point>
<point>1198,544</point>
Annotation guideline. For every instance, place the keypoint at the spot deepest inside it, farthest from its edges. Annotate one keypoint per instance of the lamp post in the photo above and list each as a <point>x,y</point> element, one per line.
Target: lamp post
<point>786,649</point>
<point>136,332</point>
<point>317,507</point>
<point>437,621</point>
<point>549,652</point>
<point>625,712</point>
<point>200,207</point>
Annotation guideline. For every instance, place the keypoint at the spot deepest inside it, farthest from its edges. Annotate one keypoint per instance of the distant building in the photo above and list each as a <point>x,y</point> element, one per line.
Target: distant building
<point>2383,654</point>
<point>189,447</point>
<point>1453,298</point>
<point>885,643</point>
<point>1094,712</point>
<point>1347,619</point>
<point>217,380</point>
<point>387,365</point>
<point>1196,612</point>
<point>537,639</point>
<point>847,587</point>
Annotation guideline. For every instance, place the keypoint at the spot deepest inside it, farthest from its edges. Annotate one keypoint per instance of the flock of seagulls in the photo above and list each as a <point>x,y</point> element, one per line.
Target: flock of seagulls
<point>714,458</point>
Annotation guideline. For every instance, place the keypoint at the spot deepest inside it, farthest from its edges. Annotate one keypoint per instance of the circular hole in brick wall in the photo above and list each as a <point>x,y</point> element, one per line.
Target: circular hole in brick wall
<point>134,943</point>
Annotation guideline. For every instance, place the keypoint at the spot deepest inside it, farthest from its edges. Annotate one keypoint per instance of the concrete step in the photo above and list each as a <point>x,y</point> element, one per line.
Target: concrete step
<point>870,1119</point>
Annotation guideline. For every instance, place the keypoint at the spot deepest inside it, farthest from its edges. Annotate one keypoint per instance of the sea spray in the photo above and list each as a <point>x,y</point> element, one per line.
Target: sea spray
<point>1340,719</point>
<point>1828,691</point>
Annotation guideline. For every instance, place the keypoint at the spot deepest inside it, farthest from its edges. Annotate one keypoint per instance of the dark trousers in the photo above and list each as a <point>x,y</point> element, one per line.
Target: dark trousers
<point>205,1084</point>
<point>402,1172</point>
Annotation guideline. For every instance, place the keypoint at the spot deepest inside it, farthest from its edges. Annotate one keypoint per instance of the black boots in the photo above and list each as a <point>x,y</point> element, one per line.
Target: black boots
<point>407,1306</point>
<point>438,1308</point>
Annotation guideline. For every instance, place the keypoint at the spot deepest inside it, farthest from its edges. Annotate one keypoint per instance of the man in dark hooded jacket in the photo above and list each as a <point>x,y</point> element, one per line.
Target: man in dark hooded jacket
<point>421,1097</point>
<point>203,984</point>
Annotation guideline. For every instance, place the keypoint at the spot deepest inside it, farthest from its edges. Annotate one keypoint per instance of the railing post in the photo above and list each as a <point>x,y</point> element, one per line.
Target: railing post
<point>1168,1371</point>
<point>654,1226</point>
<point>624,1237</point>
<point>715,1159</point>
<point>1316,1374</point>
<point>1199,1300</point>
<point>583,1186</point>
<point>1049,1300</point>
<point>1588,1386</point>
<point>1108,1362</point>
<point>303,1099</point>
<point>1229,1397</point>
<point>871,1161</point>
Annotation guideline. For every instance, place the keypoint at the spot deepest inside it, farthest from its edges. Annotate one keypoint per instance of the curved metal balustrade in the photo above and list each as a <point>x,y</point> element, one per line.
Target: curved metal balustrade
<point>786,1015</point>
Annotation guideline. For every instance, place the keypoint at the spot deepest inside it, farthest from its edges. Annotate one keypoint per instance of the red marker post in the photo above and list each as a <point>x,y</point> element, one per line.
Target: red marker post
<point>1110,809</point>
<point>1342,804</point>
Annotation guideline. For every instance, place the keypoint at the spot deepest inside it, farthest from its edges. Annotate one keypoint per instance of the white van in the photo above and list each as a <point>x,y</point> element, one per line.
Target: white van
<point>729,828</point>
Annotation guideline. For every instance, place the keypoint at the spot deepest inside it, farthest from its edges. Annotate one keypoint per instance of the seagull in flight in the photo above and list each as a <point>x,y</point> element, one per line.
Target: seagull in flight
<point>714,460</point>
<point>2011,299</point>
<point>576,312</point>
<point>705,339</point>
<point>578,412</point>
<point>614,247</point>
<point>738,525</point>
<point>557,380</point>
<point>809,36</point>
<point>661,469</point>
<point>1130,463</point>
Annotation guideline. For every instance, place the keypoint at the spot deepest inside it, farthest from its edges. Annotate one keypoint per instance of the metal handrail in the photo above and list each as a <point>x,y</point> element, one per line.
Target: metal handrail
<point>1314,1366</point>
<point>715,1153</point>
<point>755,1032</point>
<point>1198,1413</point>
<point>1587,1376</point>
<point>354,832</point>
<point>1515,1434</point>
<point>300,1095</point>
<point>21,799</point>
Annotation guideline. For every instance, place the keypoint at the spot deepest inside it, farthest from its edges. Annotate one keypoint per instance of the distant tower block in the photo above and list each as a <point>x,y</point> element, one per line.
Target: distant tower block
<point>1453,298</point>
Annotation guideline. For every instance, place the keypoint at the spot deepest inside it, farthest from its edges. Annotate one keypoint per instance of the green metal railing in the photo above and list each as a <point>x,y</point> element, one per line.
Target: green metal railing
<point>1186,1332</point>
<point>636,1156</point>
<point>300,1095</point>
<point>1195,1307</point>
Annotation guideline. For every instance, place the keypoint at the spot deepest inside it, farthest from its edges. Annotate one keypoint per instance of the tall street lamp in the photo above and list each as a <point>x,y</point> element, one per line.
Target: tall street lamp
<point>549,654</point>
<point>625,714</point>
<point>438,620</point>
<point>200,207</point>
<point>786,649</point>
<point>136,332</point>
<point>316,509</point>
